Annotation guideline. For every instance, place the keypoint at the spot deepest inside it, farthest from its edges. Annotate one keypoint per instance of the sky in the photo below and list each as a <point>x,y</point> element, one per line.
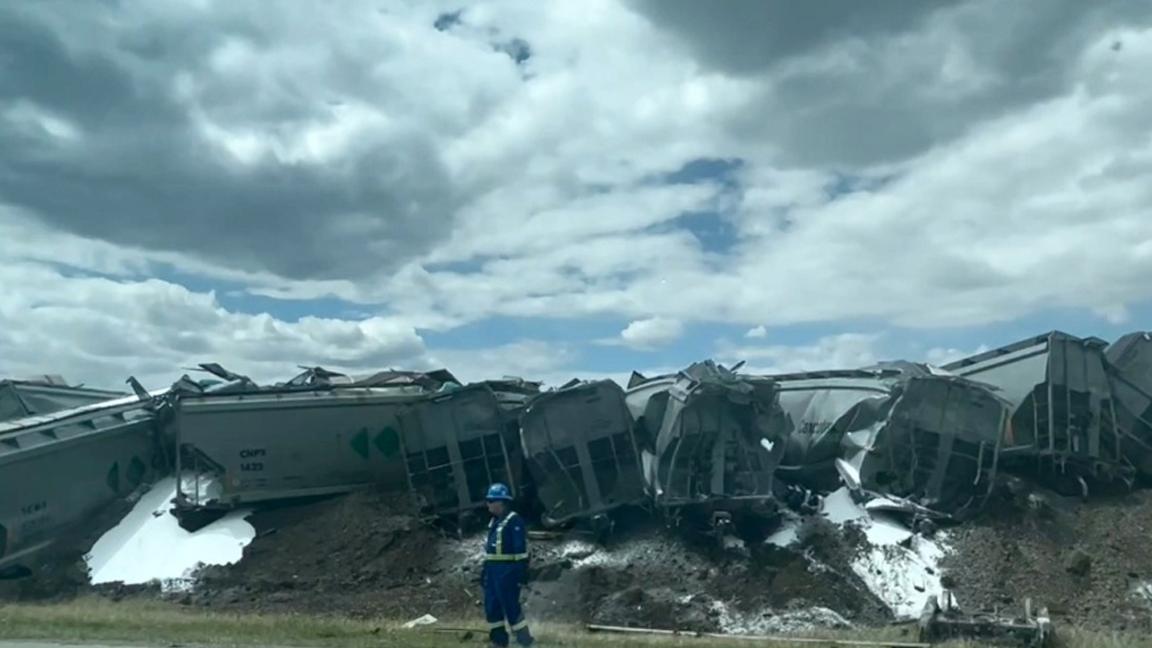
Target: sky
<point>565,189</point>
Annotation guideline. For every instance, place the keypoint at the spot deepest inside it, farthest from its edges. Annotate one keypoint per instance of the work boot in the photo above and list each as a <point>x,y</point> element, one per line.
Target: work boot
<point>498,638</point>
<point>525,638</point>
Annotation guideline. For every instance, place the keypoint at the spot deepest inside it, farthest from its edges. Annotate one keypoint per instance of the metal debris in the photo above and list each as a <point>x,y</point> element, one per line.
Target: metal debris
<point>899,430</point>
<point>45,395</point>
<point>947,623</point>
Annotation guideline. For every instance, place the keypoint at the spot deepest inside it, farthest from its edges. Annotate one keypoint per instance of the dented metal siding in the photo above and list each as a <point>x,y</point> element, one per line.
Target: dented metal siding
<point>709,443</point>
<point>820,408</point>
<point>581,451</point>
<point>939,445</point>
<point>456,444</point>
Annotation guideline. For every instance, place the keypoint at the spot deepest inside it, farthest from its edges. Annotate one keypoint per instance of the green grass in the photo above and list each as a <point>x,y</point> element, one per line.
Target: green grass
<point>155,623</point>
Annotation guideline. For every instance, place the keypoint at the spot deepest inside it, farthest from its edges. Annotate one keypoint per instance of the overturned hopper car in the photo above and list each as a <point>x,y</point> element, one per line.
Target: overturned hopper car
<point>240,448</point>
<point>1130,374</point>
<point>58,471</point>
<point>288,442</point>
<point>897,429</point>
<point>714,438</point>
<point>457,443</point>
<point>938,444</point>
<point>581,452</point>
<point>1064,422</point>
<point>23,398</point>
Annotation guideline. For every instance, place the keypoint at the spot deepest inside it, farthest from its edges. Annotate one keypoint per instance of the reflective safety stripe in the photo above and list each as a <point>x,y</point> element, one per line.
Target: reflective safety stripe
<point>500,533</point>
<point>506,557</point>
<point>496,625</point>
<point>520,626</point>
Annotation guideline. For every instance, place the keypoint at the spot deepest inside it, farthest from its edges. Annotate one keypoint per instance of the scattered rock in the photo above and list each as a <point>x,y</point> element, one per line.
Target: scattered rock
<point>1007,555</point>
<point>1078,562</point>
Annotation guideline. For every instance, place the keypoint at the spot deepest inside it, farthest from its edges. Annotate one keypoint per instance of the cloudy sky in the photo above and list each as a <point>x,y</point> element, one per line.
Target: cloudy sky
<point>559,189</point>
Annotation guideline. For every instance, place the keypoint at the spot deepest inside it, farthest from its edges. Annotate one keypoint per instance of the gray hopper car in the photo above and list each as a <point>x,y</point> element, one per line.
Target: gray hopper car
<point>718,436</point>
<point>59,470</point>
<point>581,451</point>
<point>1065,417</point>
<point>238,448</point>
<point>458,442</point>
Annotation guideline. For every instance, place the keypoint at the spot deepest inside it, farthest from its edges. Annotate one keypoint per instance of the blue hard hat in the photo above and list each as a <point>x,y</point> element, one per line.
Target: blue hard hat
<point>499,492</point>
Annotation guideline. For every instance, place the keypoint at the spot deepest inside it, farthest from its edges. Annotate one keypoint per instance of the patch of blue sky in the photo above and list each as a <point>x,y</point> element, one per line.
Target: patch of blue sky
<point>843,184</point>
<point>1076,321</point>
<point>719,170</point>
<point>712,227</point>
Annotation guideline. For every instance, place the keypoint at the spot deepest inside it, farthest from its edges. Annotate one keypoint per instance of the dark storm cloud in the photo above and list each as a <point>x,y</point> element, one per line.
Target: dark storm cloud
<point>142,173</point>
<point>891,96</point>
<point>745,36</point>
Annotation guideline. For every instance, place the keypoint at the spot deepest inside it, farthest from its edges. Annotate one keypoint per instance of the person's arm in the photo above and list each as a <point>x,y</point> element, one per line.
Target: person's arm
<point>520,540</point>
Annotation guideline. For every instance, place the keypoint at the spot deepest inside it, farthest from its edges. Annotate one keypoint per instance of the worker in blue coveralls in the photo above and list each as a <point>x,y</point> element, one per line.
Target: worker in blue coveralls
<point>505,569</point>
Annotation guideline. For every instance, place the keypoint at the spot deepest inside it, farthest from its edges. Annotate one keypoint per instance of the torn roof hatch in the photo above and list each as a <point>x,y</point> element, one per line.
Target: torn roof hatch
<point>22,398</point>
<point>321,377</point>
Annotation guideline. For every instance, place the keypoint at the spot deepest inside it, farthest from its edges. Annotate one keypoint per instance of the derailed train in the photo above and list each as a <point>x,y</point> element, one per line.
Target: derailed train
<point>707,443</point>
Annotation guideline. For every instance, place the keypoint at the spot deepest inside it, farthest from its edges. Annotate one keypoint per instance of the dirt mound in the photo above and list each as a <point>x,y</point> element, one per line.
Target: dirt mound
<point>659,608</point>
<point>372,555</point>
<point>1089,561</point>
<point>360,555</point>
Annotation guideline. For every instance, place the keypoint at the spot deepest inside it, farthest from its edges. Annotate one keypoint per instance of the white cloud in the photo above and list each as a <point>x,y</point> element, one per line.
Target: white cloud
<point>973,232</point>
<point>845,351</point>
<point>956,167</point>
<point>652,333</point>
<point>98,331</point>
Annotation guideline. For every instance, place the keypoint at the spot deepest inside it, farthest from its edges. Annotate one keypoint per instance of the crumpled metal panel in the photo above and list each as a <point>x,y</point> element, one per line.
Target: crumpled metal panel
<point>1065,420</point>
<point>938,443</point>
<point>819,409</point>
<point>21,398</point>
<point>456,444</point>
<point>581,452</point>
<point>720,436</point>
<point>1130,372</point>
<point>897,429</point>
<point>513,393</point>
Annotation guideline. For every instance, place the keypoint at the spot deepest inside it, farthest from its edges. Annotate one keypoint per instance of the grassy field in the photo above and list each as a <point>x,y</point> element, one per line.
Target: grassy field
<point>98,620</point>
